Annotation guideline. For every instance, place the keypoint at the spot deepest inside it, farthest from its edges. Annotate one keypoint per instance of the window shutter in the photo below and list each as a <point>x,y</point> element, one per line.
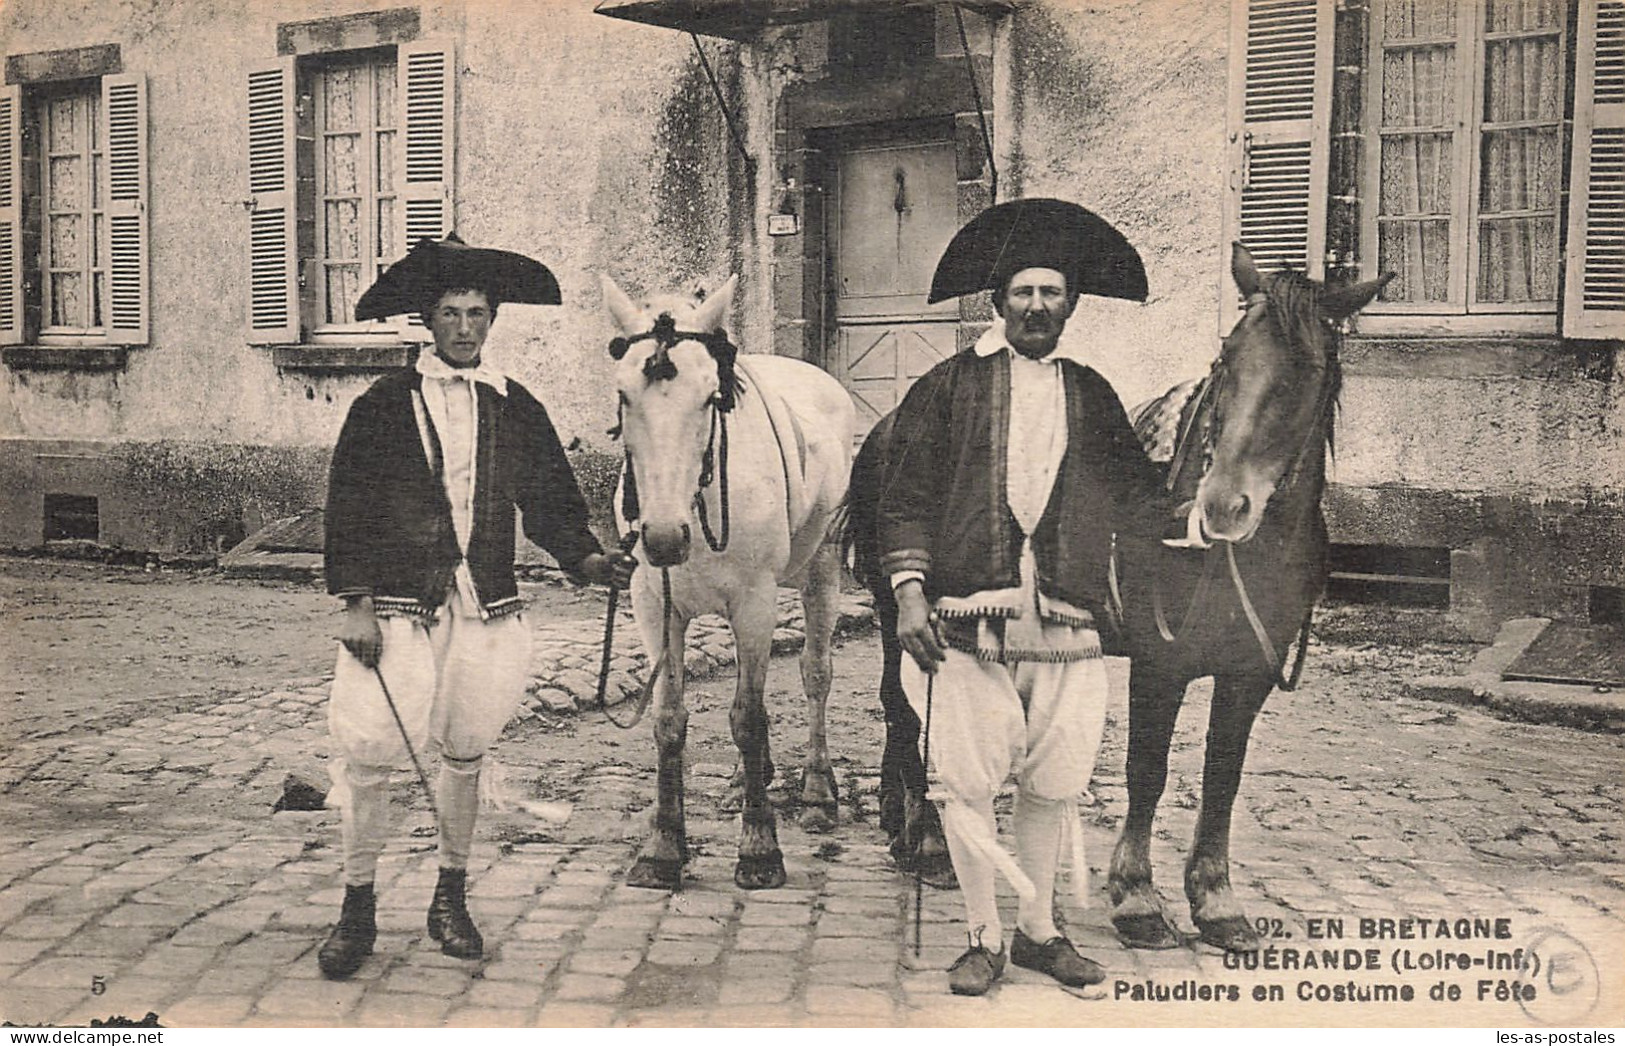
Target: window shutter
<point>425,153</point>
<point>11,215</point>
<point>1280,99</point>
<point>273,273</point>
<point>124,187</point>
<point>1594,276</point>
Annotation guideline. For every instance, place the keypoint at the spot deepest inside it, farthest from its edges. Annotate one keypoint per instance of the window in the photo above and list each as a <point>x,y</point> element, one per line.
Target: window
<point>349,163</point>
<point>354,112</point>
<point>73,216</point>
<point>74,278</point>
<point>1475,148</point>
<point>1465,152</point>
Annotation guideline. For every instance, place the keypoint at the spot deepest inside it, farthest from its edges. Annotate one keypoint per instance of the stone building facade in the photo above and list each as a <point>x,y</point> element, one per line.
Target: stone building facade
<point>826,151</point>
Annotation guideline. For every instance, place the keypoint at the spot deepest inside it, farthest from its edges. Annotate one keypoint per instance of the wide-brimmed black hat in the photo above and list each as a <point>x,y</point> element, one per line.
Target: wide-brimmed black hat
<point>1040,233</point>
<point>433,267</point>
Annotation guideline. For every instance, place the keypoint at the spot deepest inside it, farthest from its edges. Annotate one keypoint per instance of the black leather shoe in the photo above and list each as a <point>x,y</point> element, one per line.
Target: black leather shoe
<point>1057,958</point>
<point>449,921</point>
<point>348,946</point>
<point>974,972</point>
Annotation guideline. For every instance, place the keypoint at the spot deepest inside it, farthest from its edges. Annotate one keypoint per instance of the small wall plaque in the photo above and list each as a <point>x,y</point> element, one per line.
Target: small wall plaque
<point>783,224</point>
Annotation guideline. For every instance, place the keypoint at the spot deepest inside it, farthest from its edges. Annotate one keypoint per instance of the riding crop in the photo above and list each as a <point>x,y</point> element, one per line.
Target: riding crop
<point>423,778</point>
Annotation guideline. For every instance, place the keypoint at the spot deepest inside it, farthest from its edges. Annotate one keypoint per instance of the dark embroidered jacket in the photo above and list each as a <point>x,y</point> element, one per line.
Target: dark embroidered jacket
<point>943,508</point>
<point>389,529</point>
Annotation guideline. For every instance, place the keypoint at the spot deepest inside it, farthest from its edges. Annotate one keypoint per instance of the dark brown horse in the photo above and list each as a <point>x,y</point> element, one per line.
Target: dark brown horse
<point>1253,441</point>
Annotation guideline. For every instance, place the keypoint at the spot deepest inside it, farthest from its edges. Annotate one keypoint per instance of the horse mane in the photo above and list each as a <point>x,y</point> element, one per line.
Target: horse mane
<point>1294,301</point>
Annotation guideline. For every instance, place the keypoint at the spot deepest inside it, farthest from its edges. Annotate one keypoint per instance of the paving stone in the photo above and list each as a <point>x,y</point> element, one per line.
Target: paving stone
<point>762,915</point>
<point>770,939</point>
<point>528,971</point>
<point>74,973</point>
<point>854,949</point>
<point>579,987</point>
<point>207,1011</point>
<point>757,991</point>
<point>113,941</point>
<point>486,1017</point>
<point>504,995</point>
<point>693,926</point>
<point>685,952</point>
<point>423,980</point>
<point>568,1014</point>
<point>46,927</point>
<point>612,963</point>
<point>847,1001</point>
<point>402,1011</point>
<point>864,974</point>
<point>317,999</point>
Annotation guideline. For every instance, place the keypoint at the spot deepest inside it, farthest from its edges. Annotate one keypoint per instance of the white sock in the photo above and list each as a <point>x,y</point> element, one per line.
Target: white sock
<point>976,878</point>
<point>364,825</point>
<point>459,801</point>
<point>1038,850</point>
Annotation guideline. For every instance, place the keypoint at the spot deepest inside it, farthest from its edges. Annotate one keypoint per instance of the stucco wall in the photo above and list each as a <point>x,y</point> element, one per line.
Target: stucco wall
<point>1119,105</point>
<point>592,143</point>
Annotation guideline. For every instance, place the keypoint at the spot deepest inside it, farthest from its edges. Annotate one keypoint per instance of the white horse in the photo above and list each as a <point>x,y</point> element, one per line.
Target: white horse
<point>752,453</point>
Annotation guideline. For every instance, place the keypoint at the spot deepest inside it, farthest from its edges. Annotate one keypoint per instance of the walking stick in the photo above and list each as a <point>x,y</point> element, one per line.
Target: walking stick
<point>919,876</point>
<point>423,778</point>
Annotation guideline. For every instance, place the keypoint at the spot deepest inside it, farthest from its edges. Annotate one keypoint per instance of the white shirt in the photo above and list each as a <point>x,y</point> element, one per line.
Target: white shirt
<point>453,407</point>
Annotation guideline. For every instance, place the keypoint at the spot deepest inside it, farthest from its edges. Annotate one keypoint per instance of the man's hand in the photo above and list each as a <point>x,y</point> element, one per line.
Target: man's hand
<point>916,629</point>
<point>608,568</point>
<point>359,631</point>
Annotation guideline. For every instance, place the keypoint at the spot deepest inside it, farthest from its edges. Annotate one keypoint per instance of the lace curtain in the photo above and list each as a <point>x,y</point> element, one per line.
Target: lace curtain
<point>1516,146</point>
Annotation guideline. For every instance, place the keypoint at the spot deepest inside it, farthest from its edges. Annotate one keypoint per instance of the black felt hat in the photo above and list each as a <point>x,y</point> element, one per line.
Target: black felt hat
<point>433,267</point>
<point>1040,233</point>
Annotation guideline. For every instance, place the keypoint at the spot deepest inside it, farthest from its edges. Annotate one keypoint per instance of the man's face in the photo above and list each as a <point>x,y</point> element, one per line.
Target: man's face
<point>1036,308</point>
<point>460,321</point>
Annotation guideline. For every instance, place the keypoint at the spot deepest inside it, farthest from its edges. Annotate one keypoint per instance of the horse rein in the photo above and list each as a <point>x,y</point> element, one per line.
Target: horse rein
<point>1289,477</point>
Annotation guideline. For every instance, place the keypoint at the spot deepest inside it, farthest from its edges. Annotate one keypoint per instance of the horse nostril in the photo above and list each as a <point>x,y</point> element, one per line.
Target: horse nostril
<point>1241,506</point>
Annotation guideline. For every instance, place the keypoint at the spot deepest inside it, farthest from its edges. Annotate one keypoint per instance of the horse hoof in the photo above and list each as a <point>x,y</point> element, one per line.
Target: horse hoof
<point>1233,934</point>
<point>760,873</point>
<point>819,819</point>
<point>1150,931</point>
<point>656,873</point>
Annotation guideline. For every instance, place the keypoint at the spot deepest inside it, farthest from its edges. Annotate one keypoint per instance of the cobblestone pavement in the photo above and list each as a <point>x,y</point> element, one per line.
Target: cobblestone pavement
<point>141,870</point>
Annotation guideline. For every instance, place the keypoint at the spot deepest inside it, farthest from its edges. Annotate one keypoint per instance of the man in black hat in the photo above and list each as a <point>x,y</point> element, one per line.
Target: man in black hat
<point>1012,467</point>
<point>430,466</point>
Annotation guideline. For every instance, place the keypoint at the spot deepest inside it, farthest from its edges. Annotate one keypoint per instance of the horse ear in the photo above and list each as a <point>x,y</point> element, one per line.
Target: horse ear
<point>1244,270</point>
<point>1346,301</point>
<point>625,314</point>
<point>709,314</point>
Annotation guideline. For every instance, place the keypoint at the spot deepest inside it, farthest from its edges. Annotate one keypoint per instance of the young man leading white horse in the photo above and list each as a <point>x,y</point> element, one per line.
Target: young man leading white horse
<point>429,469</point>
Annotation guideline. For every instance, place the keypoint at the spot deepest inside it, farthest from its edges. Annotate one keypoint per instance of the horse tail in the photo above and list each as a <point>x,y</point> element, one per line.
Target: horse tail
<point>859,513</point>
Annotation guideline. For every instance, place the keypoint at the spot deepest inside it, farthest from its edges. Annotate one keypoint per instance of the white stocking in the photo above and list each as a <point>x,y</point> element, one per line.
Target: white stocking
<point>965,827</point>
<point>1038,825</point>
<point>459,799</point>
<point>364,824</point>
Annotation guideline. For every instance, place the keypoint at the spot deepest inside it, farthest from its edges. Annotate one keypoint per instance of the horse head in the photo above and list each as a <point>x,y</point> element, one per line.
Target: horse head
<point>674,374</point>
<point>1275,389</point>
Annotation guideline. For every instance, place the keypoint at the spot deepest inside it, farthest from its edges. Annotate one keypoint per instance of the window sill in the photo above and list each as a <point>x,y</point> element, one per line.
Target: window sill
<point>65,357</point>
<point>353,358</point>
<point>1477,357</point>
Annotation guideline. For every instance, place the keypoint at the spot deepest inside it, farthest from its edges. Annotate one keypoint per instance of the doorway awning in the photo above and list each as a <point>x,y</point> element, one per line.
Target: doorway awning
<point>743,19</point>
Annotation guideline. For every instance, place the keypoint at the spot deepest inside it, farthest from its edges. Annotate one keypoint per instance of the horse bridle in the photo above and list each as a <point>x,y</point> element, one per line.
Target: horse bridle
<point>714,462</point>
<point>1316,434</point>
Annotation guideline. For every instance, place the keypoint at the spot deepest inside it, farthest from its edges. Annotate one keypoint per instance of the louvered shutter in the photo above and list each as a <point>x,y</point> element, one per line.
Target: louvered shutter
<point>425,151</point>
<point>273,264</point>
<point>1594,276</point>
<point>1278,117</point>
<point>124,188</point>
<point>11,215</point>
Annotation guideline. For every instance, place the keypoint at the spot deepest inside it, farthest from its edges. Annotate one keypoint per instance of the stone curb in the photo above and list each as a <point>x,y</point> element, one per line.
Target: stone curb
<point>1554,704</point>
